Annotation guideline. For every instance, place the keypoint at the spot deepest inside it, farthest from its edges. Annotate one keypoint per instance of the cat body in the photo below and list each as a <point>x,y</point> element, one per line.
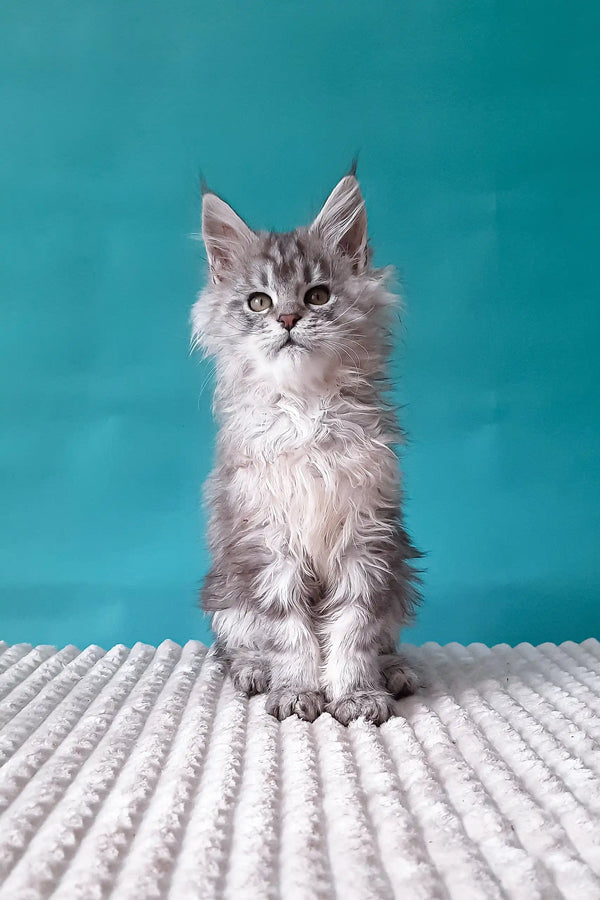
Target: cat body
<point>311,578</point>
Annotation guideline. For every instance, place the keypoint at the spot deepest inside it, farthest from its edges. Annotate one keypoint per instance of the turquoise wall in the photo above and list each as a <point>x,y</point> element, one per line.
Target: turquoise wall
<point>479,145</point>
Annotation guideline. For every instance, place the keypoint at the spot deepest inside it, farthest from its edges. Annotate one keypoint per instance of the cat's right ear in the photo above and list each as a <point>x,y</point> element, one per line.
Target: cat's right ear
<point>343,221</point>
<point>225,235</point>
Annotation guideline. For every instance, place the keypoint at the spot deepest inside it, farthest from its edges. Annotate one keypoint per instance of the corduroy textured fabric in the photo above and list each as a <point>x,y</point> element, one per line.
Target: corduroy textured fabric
<point>143,774</point>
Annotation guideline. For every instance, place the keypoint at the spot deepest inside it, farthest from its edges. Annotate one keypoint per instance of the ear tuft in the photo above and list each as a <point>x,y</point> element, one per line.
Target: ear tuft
<point>225,234</point>
<point>343,221</point>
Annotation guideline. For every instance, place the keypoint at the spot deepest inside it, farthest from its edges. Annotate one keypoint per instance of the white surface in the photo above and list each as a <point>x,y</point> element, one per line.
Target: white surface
<point>141,773</point>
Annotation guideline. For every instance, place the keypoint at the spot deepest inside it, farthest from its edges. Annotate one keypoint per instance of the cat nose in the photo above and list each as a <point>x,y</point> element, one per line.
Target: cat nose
<point>288,321</point>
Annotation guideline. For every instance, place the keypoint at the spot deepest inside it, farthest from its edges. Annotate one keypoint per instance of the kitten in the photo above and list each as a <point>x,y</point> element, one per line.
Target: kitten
<point>311,577</point>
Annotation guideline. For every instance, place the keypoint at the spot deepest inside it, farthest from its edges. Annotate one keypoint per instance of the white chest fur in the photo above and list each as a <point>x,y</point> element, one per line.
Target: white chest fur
<point>311,478</point>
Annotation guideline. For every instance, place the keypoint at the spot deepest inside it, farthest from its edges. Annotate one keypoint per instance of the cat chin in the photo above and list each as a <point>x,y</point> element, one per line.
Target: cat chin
<point>295,369</point>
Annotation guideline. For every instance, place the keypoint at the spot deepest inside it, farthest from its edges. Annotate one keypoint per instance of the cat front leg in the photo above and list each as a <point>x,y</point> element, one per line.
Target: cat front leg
<point>294,661</point>
<point>353,679</point>
<point>372,594</point>
<point>361,619</point>
<point>283,595</point>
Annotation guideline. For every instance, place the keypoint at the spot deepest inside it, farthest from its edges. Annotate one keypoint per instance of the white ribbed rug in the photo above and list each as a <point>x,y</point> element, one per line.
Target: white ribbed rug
<point>142,774</point>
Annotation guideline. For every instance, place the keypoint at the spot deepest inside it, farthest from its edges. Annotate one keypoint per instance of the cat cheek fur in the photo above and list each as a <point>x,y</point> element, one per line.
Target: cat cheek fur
<point>312,570</point>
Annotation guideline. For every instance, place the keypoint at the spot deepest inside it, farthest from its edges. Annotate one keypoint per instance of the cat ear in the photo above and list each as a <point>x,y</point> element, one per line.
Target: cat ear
<point>343,221</point>
<point>225,235</point>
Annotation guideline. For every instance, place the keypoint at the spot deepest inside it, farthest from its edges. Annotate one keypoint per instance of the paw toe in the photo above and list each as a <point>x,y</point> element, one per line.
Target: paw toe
<point>309,705</point>
<point>400,679</point>
<point>373,706</point>
<point>306,705</point>
<point>250,678</point>
<point>279,705</point>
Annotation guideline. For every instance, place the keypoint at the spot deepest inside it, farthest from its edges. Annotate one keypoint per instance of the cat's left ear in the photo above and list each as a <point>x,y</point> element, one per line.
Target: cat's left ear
<point>343,222</point>
<point>225,235</point>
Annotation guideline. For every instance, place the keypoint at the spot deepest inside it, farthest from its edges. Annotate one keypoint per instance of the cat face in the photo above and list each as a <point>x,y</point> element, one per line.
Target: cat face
<point>305,303</point>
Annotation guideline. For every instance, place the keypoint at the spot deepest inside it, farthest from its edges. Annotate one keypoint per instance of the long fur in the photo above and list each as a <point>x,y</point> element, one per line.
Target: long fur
<point>312,575</point>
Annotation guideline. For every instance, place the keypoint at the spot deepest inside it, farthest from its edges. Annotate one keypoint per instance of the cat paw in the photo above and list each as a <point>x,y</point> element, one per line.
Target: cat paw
<point>373,706</point>
<point>249,676</point>
<point>285,702</point>
<point>399,678</point>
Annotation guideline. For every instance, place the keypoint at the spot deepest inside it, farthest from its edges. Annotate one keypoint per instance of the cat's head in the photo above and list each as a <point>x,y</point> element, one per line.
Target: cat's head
<point>303,305</point>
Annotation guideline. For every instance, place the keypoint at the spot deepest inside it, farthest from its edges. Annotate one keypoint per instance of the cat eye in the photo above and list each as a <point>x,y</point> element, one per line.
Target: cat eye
<point>259,302</point>
<point>317,296</point>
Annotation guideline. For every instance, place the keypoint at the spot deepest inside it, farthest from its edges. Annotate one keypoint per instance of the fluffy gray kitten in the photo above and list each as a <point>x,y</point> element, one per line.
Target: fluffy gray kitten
<point>311,576</point>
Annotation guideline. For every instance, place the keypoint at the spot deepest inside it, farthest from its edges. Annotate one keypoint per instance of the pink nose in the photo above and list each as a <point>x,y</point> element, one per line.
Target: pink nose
<point>288,321</point>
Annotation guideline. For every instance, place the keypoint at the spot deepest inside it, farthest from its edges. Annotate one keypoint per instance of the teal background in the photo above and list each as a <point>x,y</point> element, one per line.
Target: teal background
<point>478,135</point>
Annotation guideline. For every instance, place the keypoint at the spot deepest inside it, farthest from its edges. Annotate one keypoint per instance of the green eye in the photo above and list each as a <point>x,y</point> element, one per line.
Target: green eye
<point>259,302</point>
<point>317,296</point>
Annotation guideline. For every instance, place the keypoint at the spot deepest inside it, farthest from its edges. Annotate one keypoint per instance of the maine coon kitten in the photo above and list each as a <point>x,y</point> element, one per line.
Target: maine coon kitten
<point>311,574</point>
